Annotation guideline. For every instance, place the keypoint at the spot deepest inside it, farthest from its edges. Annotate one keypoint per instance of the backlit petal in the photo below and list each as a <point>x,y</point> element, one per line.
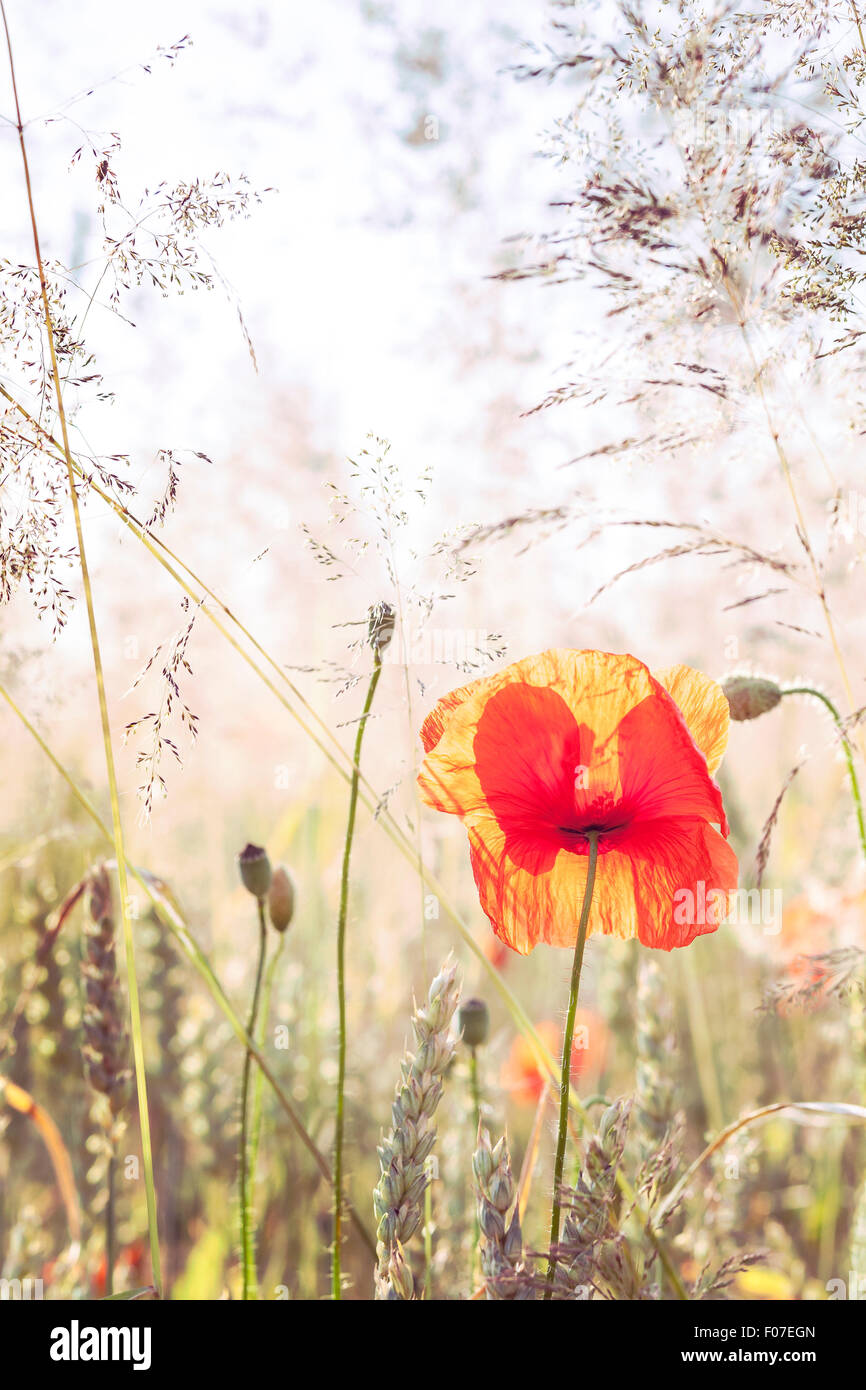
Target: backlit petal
<point>667,884</point>
<point>598,688</point>
<point>704,706</point>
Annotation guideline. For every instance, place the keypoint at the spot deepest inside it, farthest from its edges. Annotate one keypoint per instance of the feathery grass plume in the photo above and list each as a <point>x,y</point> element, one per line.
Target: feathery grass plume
<point>762,856</point>
<point>502,1261</point>
<point>398,1197</point>
<point>813,980</point>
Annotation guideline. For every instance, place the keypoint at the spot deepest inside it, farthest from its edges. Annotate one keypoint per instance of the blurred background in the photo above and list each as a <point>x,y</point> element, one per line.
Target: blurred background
<point>404,170</point>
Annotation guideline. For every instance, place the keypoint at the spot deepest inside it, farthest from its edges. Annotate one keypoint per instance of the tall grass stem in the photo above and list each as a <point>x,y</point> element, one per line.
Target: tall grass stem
<point>117,827</point>
<point>336,1283</point>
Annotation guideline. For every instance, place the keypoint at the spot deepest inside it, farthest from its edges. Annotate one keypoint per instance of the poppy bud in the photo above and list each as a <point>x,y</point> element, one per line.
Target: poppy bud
<point>281,899</point>
<point>255,867</point>
<point>749,696</point>
<point>380,626</point>
<point>473,1019</point>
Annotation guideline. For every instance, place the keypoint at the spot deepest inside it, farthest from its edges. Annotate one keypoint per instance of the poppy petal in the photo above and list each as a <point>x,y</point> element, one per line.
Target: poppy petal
<point>704,707</point>
<point>662,770</point>
<point>434,724</point>
<point>598,688</point>
<point>667,884</point>
<point>557,747</point>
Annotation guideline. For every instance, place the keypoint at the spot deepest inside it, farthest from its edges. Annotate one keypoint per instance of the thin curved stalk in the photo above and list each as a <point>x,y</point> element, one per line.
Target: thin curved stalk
<point>18,1099</point>
<point>829,1109</point>
<point>117,825</point>
<point>336,1286</point>
<point>258,1084</point>
<point>248,1247</point>
<point>846,748</point>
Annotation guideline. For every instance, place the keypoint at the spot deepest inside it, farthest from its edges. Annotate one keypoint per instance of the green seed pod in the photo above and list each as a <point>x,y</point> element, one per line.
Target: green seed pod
<point>751,696</point>
<point>255,868</point>
<point>281,899</point>
<point>473,1019</point>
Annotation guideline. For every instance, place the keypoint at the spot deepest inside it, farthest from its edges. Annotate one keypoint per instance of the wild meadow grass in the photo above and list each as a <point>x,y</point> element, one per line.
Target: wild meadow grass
<point>352,1049</point>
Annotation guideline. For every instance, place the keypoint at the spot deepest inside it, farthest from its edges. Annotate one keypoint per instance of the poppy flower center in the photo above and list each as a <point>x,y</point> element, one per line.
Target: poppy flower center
<point>601,824</point>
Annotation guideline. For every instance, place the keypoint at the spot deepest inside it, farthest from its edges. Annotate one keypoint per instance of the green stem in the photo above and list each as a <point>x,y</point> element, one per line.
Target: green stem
<point>336,1287</point>
<point>476,1130</point>
<point>248,1253</point>
<point>99,676</point>
<point>475,1087</point>
<point>565,1079</point>
<point>846,748</point>
<point>259,1083</point>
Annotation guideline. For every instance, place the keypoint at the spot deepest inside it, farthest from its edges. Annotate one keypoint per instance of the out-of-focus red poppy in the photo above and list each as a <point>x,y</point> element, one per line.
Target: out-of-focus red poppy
<point>521,1073</point>
<point>130,1263</point>
<point>555,746</point>
<point>806,929</point>
<point>496,951</point>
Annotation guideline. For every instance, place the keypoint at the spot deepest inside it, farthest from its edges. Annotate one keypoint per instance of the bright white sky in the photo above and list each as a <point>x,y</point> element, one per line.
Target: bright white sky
<point>364,280</point>
<point>363,277</point>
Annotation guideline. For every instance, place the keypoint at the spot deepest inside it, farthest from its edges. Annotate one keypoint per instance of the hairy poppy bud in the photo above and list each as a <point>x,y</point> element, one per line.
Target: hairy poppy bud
<point>255,867</point>
<point>750,696</point>
<point>380,626</point>
<point>473,1019</point>
<point>281,899</point>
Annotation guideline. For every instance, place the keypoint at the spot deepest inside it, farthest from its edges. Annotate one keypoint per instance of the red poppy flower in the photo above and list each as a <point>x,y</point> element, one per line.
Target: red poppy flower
<point>522,1074</point>
<point>555,746</point>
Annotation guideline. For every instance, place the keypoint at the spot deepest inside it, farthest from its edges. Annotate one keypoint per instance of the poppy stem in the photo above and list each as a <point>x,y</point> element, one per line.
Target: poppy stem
<point>565,1078</point>
<point>336,1280</point>
<point>248,1250</point>
<point>846,748</point>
